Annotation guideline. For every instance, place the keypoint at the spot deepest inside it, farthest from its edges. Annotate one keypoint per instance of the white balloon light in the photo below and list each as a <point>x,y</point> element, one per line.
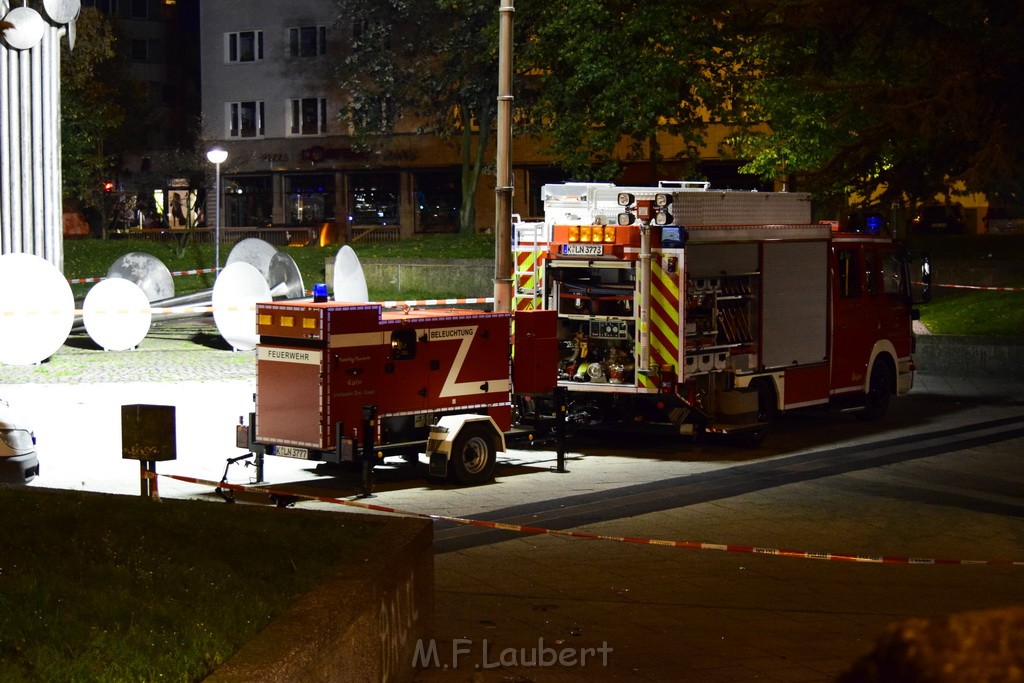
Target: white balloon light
<point>29,27</point>
<point>349,281</point>
<point>239,287</point>
<point>37,309</point>
<point>117,314</point>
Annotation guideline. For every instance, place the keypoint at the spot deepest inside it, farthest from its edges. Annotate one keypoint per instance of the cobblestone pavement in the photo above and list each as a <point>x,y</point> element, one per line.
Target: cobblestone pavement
<point>178,351</point>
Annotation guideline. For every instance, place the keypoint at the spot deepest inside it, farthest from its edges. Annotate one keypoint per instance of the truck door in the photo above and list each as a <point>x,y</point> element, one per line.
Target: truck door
<point>854,318</point>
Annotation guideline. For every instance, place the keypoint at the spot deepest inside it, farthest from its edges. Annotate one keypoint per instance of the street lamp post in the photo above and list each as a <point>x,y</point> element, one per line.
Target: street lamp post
<point>216,156</point>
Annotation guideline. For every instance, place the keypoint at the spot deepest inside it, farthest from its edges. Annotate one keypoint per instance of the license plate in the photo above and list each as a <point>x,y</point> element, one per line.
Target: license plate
<point>583,249</point>
<point>292,452</point>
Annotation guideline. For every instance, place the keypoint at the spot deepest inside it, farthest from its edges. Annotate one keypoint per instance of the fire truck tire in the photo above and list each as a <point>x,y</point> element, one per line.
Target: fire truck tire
<point>473,456</point>
<point>876,400</point>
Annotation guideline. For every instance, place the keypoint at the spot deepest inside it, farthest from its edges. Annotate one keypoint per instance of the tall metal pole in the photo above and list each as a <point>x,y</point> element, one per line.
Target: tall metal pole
<point>503,184</point>
<point>216,224</point>
<point>216,156</point>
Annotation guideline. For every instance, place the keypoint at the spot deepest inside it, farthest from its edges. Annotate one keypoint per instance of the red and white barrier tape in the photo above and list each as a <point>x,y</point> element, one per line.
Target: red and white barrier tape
<point>83,280</point>
<point>692,545</point>
<point>991,289</point>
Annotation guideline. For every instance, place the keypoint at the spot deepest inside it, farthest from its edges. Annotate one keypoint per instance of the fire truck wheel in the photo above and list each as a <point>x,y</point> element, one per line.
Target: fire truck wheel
<point>876,401</point>
<point>473,455</point>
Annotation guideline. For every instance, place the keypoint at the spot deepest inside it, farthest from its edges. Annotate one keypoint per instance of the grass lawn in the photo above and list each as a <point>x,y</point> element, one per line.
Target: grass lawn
<point>97,587</point>
<point>969,312</point>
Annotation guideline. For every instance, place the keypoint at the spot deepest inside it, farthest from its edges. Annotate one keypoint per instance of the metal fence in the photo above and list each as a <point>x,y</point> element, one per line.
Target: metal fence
<point>376,234</point>
<point>280,237</point>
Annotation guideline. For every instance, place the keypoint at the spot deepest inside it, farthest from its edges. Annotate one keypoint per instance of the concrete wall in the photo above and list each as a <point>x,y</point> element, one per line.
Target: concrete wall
<point>432,277</point>
<point>969,356</point>
<point>362,624</point>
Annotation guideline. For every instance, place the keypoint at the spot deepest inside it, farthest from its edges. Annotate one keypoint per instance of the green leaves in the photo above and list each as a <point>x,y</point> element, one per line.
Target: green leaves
<point>102,109</point>
<point>897,101</point>
<point>614,75</point>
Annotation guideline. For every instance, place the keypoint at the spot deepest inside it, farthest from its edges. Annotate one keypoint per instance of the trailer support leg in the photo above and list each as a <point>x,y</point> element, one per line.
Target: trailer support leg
<point>369,434</point>
<point>259,467</point>
<point>560,410</point>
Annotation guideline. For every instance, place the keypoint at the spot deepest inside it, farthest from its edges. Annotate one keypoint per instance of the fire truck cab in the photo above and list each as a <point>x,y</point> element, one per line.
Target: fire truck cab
<point>709,311</point>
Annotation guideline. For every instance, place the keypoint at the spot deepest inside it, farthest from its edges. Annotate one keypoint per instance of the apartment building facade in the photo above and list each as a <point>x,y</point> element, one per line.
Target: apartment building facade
<point>270,98</point>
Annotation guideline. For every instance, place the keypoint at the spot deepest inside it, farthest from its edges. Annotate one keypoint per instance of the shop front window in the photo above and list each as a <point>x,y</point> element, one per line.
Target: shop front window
<point>373,198</point>
<point>437,200</point>
<point>309,199</point>
<point>248,201</point>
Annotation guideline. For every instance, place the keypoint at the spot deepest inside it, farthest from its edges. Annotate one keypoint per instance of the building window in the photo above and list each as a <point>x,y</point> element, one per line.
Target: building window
<point>244,46</point>
<point>145,51</point>
<point>140,9</point>
<point>437,196</point>
<point>307,41</point>
<point>107,7</point>
<point>373,198</point>
<point>308,116</point>
<point>245,119</point>
<point>373,115</point>
<point>310,199</point>
<point>248,201</point>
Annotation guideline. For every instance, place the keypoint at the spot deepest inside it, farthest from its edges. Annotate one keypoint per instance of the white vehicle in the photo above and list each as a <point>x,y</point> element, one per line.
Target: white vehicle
<point>18,461</point>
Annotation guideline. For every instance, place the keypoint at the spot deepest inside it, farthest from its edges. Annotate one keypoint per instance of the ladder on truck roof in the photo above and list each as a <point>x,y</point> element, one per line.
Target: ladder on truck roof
<point>529,243</point>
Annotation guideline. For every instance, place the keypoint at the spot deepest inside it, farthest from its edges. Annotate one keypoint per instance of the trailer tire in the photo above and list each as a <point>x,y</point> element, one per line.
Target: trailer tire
<point>876,399</point>
<point>473,455</point>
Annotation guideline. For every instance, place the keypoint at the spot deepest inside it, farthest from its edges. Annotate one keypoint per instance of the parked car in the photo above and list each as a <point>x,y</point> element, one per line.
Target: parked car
<point>18,461</point>
<point>1000,220</point>
<point>940,219</point>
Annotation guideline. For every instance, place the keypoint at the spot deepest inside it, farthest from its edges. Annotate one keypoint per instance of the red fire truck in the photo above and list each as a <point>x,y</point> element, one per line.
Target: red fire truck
<point>677,306</point>
<point>712,310</point>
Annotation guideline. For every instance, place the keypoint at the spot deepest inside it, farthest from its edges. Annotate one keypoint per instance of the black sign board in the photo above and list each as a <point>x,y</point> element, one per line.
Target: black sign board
<point>148,433</point>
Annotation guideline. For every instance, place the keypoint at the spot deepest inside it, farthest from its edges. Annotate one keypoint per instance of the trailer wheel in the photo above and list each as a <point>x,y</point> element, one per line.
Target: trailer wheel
<point>473,455</point>
<point>876,400</point>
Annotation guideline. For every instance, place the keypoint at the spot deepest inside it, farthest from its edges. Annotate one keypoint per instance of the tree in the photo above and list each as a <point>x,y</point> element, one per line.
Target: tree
<point>895,101</point>
<point>609,76</point>
<point>103,113</point>
<point>433,62</point>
